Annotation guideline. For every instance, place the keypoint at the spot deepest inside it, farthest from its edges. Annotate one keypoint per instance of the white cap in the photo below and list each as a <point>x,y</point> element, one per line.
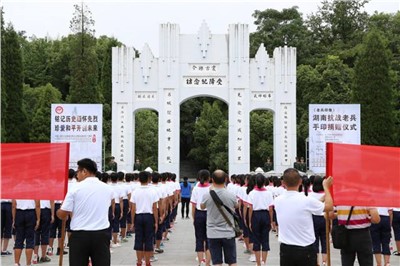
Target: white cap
<point>148,169</point>
<point>259,170</point>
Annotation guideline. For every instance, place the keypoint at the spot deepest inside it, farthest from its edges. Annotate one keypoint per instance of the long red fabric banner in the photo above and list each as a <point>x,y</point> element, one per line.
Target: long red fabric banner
<point>34,170</point>
<point>364,175</point>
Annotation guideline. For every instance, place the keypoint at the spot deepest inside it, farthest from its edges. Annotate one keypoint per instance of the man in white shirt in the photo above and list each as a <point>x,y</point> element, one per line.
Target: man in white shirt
<point>88,204</point>
<point>294,213</point>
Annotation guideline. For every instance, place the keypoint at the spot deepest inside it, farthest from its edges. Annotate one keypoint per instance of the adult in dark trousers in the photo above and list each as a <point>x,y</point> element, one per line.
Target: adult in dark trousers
<point>26,219</point>
<point>220,234</point>
<point>6,226</point>
<point>88,205</point>
<point>359,242</point>
<point>294,212</point>
<point>186,192</point>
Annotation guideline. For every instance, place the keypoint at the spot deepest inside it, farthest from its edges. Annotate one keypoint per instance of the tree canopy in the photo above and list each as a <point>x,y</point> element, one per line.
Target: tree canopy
<point>345,55</point>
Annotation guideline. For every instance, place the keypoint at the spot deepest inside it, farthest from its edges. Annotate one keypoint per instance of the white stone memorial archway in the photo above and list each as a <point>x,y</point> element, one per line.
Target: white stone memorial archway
<point>204,64</point>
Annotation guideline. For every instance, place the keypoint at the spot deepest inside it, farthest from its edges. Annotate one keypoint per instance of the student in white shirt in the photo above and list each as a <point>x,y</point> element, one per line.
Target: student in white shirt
<point>199,216</point>
<point>42,234</point>
<point>260,216</point>
<point>119,194</point>
<point>6,225</point>
<point>26,219</point>
<point>294,213</point>
<point>145,218</point>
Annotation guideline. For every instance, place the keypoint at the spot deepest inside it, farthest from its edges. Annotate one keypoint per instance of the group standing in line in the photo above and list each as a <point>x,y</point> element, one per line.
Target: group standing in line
<point>104,210</point>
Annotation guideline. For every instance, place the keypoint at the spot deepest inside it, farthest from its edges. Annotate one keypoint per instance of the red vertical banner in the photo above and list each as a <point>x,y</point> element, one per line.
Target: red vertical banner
<point>34,170</point>
<point>364,175</point>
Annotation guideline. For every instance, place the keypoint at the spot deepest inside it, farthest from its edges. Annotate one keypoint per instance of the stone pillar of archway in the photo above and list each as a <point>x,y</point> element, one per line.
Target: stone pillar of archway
<point>285,138</point>
<point>168,91</point>
<point>123,121</point>
<point>239,124</point>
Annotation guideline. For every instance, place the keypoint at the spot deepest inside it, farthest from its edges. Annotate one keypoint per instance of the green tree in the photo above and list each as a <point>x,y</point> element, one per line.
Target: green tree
<point>389,25</point>
<point>190,111</point>
<point>83,64</point>
<point>206,127</point>
<point>3,80</point>
<point>146,138</point>
<point>277,28</point>
<point>261,137</point>
<point>338,27</point>
<point>219,149</point>
<point>36,61</point>
<point>60,58</point>
<point>373,90</point>
<point>41,120</point>
<point>15,122</point>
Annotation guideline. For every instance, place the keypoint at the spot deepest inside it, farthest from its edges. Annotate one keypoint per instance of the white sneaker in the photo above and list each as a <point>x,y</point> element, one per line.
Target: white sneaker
<point>35,259</point>
<point>115,245</point>
<point>252,258</point>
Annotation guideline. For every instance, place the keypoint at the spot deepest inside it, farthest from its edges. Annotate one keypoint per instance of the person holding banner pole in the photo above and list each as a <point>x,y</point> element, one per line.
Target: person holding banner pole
<point>88,204</point>
<point>294,212</point>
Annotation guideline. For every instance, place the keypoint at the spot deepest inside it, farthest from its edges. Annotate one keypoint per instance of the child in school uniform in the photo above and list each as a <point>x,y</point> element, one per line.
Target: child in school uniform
<point>145,218</point>
<point>42,234</point>
<point>260,217</point>
<point>200,216</point>
<point>26,214</point>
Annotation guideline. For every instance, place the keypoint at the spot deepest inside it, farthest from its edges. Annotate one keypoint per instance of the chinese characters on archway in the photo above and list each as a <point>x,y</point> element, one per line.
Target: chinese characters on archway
<point>239,150</point>
<point>168,125</point>
<point>122,116</point>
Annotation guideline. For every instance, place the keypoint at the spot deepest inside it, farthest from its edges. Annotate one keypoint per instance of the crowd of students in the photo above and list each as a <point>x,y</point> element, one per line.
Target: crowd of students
<point>149,199</point>
<point>144,204</point>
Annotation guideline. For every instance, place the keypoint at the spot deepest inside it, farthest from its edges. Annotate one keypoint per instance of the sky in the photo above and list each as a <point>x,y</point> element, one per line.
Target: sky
<point>135,22</point>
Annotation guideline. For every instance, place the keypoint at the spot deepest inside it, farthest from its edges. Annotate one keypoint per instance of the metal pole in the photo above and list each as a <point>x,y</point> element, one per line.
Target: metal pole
<point>328,246</point>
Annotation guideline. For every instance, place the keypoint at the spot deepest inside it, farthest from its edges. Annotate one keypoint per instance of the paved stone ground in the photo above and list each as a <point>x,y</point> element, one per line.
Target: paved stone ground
<point>179,251</point>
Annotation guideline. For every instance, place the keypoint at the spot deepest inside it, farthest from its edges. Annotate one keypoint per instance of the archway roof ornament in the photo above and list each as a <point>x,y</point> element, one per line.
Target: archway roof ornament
<point>204,38</point>
<point>262,58</point>
<point>146,59</point>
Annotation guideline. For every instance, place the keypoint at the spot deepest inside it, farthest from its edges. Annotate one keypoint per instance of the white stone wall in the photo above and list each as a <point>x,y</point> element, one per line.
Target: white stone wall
<point>204,64</point>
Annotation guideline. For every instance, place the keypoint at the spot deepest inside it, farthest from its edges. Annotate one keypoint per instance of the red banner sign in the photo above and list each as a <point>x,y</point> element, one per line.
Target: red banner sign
<point>34,170</point>
<point>364,175</point>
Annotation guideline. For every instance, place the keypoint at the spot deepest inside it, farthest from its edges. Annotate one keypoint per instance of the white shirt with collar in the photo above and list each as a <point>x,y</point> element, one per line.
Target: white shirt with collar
<point>119,192</point>
<point>294,213</point>
<point>89,202</point>
<point>260,199</point>
<point>144,196</point>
